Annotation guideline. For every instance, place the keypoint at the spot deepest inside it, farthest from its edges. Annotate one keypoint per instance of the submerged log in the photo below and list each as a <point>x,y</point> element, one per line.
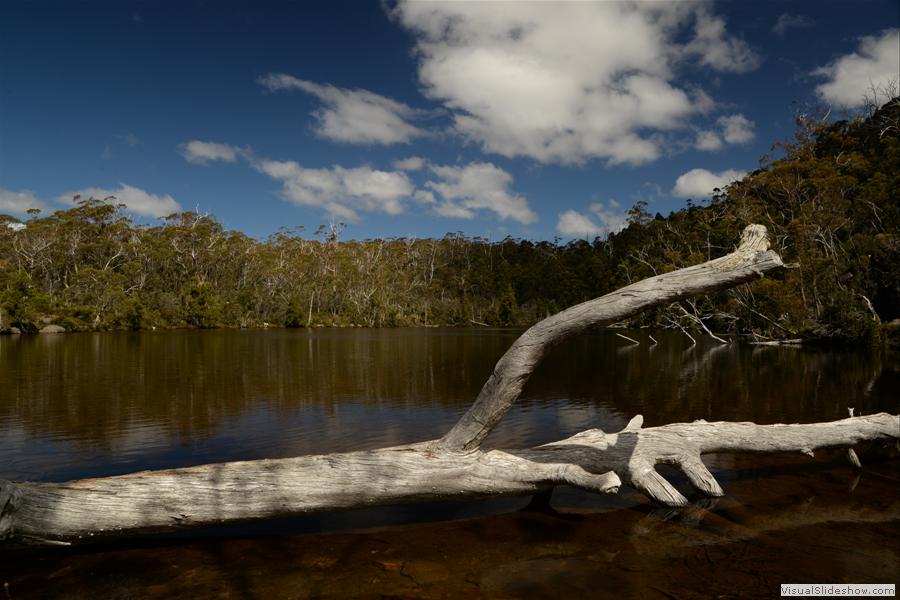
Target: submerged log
<point>454,466</point>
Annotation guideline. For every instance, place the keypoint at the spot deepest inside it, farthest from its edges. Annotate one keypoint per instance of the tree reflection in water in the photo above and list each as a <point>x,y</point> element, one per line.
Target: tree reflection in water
<point>86,405</point>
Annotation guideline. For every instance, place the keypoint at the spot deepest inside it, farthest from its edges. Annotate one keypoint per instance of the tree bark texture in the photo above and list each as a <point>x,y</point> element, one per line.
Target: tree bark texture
<point>454,466</point>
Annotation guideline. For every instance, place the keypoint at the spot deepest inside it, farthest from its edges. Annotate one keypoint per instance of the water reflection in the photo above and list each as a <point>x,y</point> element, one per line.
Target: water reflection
<point>98,404</point>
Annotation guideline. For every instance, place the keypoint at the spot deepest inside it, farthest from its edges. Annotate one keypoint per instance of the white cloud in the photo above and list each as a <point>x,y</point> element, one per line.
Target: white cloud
<point>736,129</point>
<point>454,211</point>
<point>700,183</point>
<point>352,116</point>
<point>603,220</point>
<point>577,225</point>
<point>202,153</point>
<point>708,140</point>
<point>477,186</point>
<point>341,192</point>
<point>786,21</point>
<point>425,197</point>
<point>135,199</point>
<point>564,82</point>
<point>413,163</point>
<point>716,49</point>
<point>17,203</point>
<point>611,216</point>
<point>876,63</point>
<point>733,129</point>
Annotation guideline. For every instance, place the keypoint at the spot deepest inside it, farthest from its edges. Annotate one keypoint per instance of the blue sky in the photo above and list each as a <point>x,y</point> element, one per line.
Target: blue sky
<point>529,119</point>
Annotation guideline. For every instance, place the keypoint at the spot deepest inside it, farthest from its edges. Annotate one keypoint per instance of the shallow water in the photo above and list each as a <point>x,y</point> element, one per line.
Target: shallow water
<point>84,405</point>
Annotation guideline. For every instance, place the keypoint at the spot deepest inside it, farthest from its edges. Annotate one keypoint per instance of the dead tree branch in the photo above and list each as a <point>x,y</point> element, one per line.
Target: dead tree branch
<point>454,466</point>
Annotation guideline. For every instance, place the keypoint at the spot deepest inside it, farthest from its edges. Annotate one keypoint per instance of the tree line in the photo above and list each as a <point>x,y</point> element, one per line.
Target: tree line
<point>830,199</point>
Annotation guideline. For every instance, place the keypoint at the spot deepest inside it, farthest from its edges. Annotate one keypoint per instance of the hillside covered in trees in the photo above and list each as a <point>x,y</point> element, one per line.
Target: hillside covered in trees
<point>830,200</point>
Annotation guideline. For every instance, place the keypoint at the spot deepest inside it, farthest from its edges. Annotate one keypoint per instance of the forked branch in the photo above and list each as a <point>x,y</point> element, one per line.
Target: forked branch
<point>751,260</point>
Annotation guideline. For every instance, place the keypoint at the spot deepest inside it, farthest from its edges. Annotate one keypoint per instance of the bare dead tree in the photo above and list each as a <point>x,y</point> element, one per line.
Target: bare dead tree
<point>454,466</point>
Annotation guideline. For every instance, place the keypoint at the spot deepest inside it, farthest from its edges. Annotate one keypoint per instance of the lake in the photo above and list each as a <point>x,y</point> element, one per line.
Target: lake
<point>88,405</point>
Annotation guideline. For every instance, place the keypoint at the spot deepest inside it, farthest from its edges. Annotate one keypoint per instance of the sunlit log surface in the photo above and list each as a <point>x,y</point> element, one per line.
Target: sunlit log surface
<point>453,466</point>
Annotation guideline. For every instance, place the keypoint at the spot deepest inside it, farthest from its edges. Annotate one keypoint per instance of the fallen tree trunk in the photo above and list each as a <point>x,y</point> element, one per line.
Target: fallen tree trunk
<point>453,466</point>
<point>592,460</point>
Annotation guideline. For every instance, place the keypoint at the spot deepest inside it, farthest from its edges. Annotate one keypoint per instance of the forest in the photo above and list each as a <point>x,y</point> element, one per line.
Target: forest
<point>828,196</point>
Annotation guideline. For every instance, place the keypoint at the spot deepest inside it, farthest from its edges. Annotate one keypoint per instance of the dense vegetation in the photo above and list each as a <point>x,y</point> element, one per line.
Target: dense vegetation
<point>830,199</point>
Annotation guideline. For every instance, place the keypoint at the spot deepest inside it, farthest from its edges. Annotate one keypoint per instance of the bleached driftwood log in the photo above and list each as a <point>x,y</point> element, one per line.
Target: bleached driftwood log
<point>453,466</point>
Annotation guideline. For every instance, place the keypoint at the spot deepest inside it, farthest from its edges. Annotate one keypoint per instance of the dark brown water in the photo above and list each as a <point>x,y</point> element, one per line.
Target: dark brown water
<point>86,405</point>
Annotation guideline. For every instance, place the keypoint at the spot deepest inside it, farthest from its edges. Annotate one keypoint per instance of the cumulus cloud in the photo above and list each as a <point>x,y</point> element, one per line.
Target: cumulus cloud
<point>716,49</point>
<point>700,183</point>
<point>473,187</point>
<point>424,197</point>
<point>577,225</point>
<point>732,129</point>
<point>786,21</point>
<point>18,203</point>
<point>352,116</point>
<point>341,192</point>
<point>602,220</point>
<point>202,153</point>
<point>708,140</point>
<point>736,129</point>
<point>413,163</point>
<point>567,82</point>
<point>135,199</point>
<point>875,64</point>
<point>451,191</point>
